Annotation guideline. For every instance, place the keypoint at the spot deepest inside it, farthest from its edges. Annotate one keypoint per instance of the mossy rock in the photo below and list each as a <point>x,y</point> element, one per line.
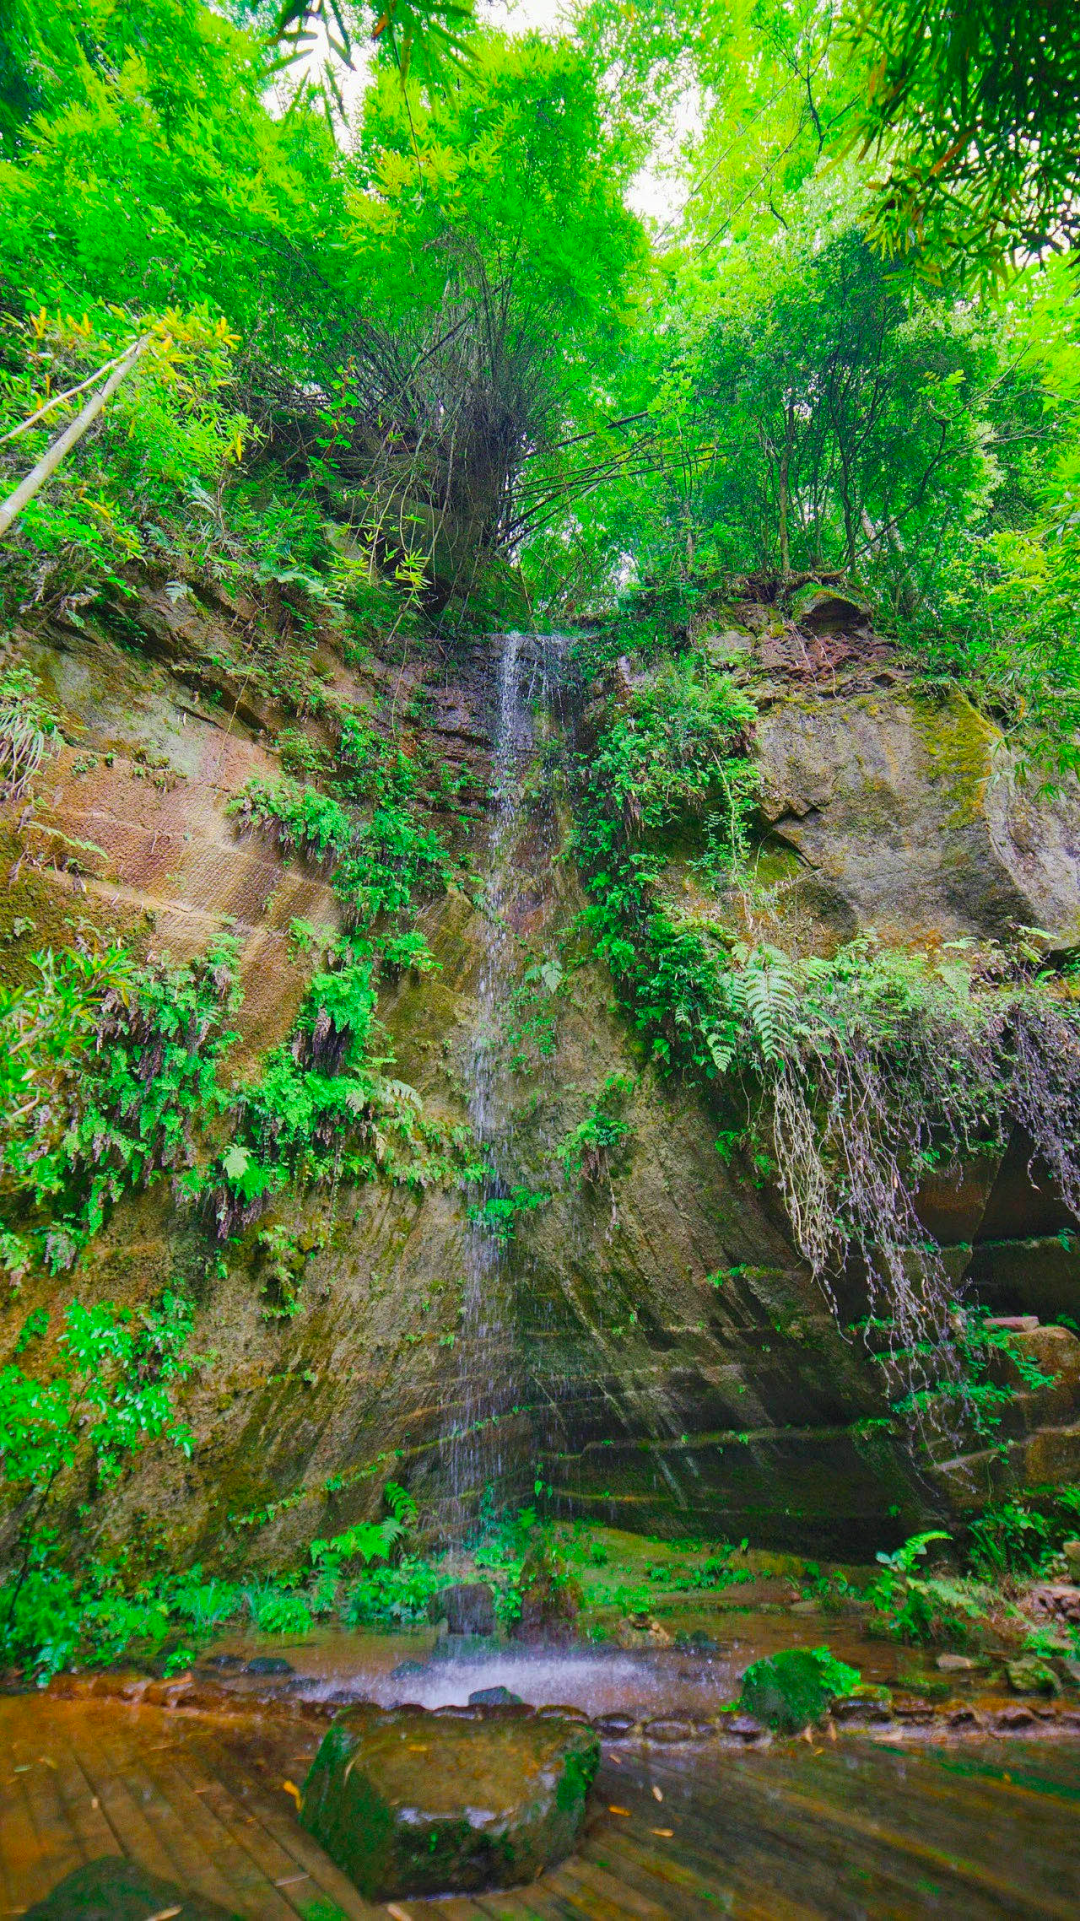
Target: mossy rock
<point>114,1889</point>
<point>790,1690</point>
<point>551,1598</point>
<point>410,1802</point>
<point>1029,1675</point>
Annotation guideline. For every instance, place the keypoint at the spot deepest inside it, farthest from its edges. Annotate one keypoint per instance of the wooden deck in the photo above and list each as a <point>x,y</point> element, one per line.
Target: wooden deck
<point>796,1834</point>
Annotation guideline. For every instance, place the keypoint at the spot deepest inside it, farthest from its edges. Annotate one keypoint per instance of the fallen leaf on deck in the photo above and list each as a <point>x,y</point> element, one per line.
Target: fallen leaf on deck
<point>657,1796</point>
<point>290,1787</point>
<point>666,1834</point>
<point>618,1810</point>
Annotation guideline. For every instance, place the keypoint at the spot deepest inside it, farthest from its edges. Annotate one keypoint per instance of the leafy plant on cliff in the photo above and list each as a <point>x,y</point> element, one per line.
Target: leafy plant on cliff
<point>29,730</point>
<point>109,1070</point>
<point>104,1394</point>
<point>859,1072</point>
<point>321,1109</point>
<point>586,1151</point>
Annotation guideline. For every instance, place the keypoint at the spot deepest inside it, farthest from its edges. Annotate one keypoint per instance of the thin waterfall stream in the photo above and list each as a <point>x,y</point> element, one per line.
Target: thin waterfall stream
<point>489,1375</point>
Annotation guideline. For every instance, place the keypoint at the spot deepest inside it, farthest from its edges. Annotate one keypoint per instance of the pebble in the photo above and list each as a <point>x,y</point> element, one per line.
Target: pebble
<point>668,1730</point>
<point>742,1727</point>
<point>861,1714</point>
<point>614,1727</point>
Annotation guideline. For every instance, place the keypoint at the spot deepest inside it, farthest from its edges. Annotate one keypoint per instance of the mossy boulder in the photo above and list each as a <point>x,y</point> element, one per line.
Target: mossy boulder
<point>790,1690</point>
<point>114,1889</point>
<point>551,1598</point>
<point>412,1802</point>
<point>1029,1675</point>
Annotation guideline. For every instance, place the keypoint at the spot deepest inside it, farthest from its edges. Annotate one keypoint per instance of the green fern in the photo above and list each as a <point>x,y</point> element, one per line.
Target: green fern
<point>770,995</point>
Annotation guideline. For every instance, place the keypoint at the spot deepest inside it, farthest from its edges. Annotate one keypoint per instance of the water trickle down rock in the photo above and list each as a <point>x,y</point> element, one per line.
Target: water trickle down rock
<point>490,1381</point>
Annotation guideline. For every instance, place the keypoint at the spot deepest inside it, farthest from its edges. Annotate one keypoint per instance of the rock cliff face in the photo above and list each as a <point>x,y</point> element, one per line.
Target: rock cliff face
<point>649,1345</point>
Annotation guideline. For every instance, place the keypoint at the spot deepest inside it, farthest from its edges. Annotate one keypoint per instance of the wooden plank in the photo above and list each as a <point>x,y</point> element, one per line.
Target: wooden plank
<point>682,1889</point>
<point>284,1829</point>
<point>132,1814</point>
<point>18,1841</point>
<point>58,1850</point>
<point>95,1836</point>
<point>454,1907</point>
<point>890,1852</point>
<point>609,1888</point>
<point>579,1894</point>
<point>230,1805</point>
<point>31,1876</point>
<point>537,1902</point>
<point>209,1842</point>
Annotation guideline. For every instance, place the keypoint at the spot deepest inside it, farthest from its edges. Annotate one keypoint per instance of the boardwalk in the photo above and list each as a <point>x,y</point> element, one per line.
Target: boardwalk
<point>850,1830</point>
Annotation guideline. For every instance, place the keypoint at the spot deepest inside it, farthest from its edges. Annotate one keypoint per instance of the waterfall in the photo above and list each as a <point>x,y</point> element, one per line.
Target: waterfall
<point>489,1377</point>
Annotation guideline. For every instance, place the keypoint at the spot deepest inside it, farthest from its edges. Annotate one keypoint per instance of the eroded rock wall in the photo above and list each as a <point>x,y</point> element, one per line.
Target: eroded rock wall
<point>654,1350</point>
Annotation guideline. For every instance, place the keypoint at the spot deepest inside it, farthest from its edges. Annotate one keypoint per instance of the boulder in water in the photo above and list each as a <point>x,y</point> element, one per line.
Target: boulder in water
<point>469,1608</point>
<point>409,1802</point>
<point>115,1889</point>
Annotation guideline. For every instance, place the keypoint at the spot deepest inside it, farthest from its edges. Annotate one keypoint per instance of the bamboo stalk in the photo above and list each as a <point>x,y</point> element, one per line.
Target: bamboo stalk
<point>57,400</point>
<point>50,461</point>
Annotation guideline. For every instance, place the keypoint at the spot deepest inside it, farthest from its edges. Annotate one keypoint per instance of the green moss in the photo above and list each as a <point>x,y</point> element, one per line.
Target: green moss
<point>959,744</point>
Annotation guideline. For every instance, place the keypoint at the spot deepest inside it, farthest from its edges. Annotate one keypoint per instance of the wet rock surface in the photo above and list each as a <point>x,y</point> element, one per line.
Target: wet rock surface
<point>412,1802</point>
<point>468,1608</point>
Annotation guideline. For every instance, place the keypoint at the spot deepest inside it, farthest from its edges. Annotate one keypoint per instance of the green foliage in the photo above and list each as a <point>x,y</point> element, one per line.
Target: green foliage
<point>285,1256</point>
<point>392,1596</point>
<point>299,817</point>
<point>107,1069</point>
<point>106,1394</point>
<point>912,1604</point>
<point>366,1540</point>
<point>586,1151</point>
<point>29,730</point>
<point>528,1023</point>
<point>974,113</point>
<point>673,748</point>
<point>140,485</point>
<point>498,1214</point>
<point>1014,1539</point>
<point>1010,1538</point>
